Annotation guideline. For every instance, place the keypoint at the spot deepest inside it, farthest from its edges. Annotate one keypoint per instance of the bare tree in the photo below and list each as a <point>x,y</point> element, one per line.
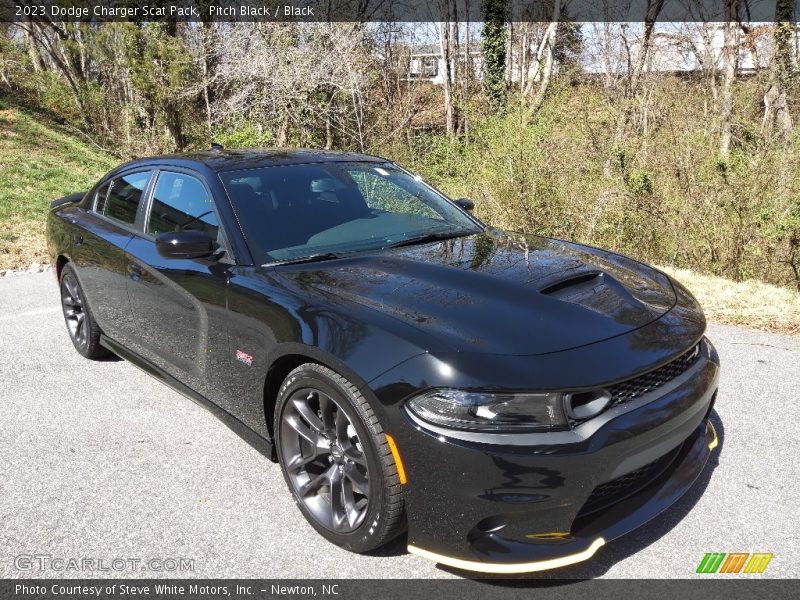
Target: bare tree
<point>776,109</point>
<point>730,52</point>
<point>636,62</point>
<point>274,73</point>
<point>545,59</point>
<point>448,29</point>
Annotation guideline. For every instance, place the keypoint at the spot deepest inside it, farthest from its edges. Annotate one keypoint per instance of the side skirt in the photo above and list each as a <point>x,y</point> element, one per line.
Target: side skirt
<point>263,445</point>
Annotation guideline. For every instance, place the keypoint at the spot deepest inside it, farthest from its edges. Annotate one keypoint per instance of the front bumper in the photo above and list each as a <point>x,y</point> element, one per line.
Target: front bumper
<point>525,507</point>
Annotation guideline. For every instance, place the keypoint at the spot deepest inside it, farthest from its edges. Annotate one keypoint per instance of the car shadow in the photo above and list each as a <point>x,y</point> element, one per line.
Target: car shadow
<point>397,547</point>
<point>619,549</point>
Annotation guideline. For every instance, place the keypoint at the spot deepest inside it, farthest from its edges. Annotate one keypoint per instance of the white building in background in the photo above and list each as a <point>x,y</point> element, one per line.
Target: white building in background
<point>675,48</point>
<point>425,62</point>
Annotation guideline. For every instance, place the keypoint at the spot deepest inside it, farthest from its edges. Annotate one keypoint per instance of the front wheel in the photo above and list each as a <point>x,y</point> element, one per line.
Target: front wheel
<point>336,460</point>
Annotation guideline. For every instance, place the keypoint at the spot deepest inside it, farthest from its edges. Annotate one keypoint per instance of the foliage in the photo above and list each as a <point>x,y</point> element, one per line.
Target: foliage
<point>493,50</point>
<point>632,165</point>
<point>670,200</point>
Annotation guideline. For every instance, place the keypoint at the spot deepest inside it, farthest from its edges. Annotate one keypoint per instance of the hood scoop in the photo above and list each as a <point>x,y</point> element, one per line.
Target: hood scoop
<point>572,284</point>
<point>597,291</point>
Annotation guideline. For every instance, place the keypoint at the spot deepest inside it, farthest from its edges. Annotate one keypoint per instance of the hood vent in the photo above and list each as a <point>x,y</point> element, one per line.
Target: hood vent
<point>565,288</point>
<point>598,292</point>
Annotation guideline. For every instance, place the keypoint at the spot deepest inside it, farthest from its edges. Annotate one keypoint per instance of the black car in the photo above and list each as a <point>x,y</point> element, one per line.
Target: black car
<point>513,401</point>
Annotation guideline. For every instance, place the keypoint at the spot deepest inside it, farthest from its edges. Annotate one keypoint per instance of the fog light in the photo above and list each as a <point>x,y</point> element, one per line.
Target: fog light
<point>585,405</point>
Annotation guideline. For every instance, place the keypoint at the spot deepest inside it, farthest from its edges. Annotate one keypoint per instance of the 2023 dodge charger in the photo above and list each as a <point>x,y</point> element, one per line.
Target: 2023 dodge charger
<point>512,401</point>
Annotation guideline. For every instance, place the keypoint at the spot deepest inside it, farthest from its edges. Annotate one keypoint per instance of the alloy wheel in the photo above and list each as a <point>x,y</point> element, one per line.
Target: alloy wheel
<point>325,460</point>
<point>74,311</point>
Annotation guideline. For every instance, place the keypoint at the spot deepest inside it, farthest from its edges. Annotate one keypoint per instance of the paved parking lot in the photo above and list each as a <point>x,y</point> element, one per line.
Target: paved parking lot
<point>98,460</point>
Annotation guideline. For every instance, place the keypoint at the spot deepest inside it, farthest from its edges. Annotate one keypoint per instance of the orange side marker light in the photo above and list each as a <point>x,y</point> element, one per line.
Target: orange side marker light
<point>401,471</point>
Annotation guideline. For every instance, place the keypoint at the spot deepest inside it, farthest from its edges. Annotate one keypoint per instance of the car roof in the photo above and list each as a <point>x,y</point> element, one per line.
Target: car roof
<point>234,160</point>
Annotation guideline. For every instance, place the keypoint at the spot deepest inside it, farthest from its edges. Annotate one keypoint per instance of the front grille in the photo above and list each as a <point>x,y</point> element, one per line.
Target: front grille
<point>638,386</point>
<point>622,487</point>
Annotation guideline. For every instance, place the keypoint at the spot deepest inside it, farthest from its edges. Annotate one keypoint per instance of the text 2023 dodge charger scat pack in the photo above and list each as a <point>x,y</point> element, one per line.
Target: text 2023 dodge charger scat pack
<point>512,401</point>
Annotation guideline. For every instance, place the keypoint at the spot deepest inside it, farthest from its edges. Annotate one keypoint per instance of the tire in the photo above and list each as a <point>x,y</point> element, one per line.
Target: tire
<point>81,326</point>
<point>342,475</point>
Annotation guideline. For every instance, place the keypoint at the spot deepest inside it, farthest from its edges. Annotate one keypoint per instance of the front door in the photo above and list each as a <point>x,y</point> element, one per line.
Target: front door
<point>180,304</point>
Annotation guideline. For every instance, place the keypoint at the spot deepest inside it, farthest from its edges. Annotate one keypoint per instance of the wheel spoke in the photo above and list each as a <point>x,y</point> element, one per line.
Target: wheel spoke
<point>298,460</point>
<point>306,433</point>
<point>354,454</point>
<point>308,414</point>
<point>357,478</point>
<point>338,509</point>
<point>351,511</point>
<point>327,406</point>
<point>341,422</point>
<point>70,302</point>
<point>72,289</point>
<point>316,482</point>
<point>80,330</point>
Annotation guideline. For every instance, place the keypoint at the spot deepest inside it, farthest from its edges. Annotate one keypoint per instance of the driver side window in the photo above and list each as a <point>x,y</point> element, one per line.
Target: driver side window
<point>181,203</point>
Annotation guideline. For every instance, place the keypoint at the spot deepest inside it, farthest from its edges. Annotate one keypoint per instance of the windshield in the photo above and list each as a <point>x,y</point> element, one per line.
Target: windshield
<point>294,211</point>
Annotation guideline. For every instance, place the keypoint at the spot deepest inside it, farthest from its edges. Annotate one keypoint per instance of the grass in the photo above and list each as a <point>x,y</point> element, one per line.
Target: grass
<point>39,161</point>
<point>748,303</point>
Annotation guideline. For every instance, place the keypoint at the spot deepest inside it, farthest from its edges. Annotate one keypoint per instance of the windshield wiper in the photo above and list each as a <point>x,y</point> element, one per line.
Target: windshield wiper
<point>431,237</point>
<point>322,256</point>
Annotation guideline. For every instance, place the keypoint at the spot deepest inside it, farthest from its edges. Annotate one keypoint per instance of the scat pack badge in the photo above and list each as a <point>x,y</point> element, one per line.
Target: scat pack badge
<point>244,357</point>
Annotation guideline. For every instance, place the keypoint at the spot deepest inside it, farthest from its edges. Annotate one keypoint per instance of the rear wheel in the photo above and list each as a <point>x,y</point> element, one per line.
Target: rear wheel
<point>83,331</point>
<point>336,460</point>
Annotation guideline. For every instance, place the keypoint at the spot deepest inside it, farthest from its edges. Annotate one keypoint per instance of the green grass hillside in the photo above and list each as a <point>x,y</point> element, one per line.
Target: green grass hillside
<point>38,162</point>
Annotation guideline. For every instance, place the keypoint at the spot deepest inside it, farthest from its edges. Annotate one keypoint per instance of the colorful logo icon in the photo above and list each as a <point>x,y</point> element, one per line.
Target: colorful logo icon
<point>734,562</point>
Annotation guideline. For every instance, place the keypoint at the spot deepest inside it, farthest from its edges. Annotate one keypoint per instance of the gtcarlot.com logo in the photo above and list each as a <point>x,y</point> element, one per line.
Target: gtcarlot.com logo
<point>734,562</point>
<point>48,562</point>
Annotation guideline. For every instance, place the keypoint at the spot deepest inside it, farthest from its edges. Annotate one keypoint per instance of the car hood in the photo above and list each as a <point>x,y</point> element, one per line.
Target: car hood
<point>497,292</point>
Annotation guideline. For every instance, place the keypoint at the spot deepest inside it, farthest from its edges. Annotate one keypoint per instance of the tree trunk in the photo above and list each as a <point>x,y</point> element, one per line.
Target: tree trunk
<point>729,72</point>
<point>445,47</point>
<point>33,52</point>
<point>776,110</point>
<point>635,76</point>
<point>207,67</point>
<point>548,50</point>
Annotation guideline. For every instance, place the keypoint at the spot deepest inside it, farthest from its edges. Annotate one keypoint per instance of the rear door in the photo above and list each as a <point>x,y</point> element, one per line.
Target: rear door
<point>180,304</point>
<point>99,249</point>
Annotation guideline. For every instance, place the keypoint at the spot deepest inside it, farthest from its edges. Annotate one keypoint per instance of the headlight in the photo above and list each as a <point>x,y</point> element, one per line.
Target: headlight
<point>490,412</point>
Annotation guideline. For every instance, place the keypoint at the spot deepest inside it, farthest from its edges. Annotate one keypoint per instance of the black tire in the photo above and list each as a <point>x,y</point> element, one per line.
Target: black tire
<point>81,326</point>
<point>371,513</point>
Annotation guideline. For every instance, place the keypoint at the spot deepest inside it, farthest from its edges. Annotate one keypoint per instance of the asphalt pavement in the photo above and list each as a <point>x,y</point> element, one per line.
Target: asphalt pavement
<point>99,461</point>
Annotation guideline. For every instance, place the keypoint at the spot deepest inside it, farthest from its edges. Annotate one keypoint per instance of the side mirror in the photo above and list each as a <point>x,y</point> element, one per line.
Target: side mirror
<point>465,203</point>
<point>185,244</point>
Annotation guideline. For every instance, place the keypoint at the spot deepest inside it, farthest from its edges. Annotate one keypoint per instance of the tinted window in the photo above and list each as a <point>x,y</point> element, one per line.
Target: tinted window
<point>382,194</point>
<point>181,202</point>
<point>124,196</point>
<point>295,211</point>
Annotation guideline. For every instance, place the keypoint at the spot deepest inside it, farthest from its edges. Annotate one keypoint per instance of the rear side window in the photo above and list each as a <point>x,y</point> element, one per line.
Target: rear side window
<point>123,198</point>
<point>181,203</point>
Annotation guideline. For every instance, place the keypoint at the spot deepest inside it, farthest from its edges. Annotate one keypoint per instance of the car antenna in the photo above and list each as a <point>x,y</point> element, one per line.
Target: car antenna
<point>216,146</point>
